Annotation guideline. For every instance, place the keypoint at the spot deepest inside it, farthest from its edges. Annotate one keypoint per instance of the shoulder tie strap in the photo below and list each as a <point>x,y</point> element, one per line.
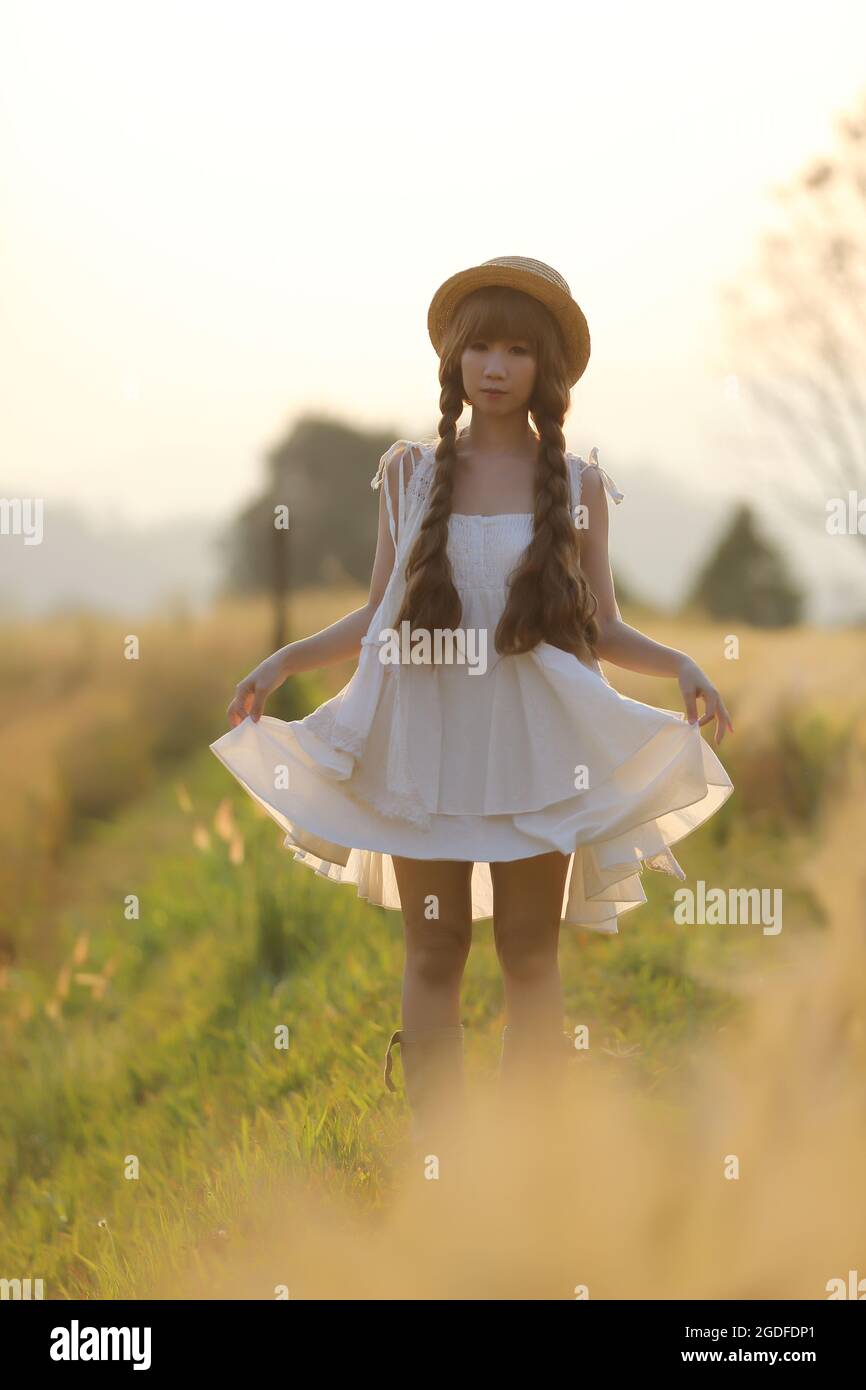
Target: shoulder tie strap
<point>609,485</point>
<point>400,446</point>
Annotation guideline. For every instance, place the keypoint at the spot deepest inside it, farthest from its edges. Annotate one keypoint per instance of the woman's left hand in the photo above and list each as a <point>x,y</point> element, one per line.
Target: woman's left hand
<point>693,683</point>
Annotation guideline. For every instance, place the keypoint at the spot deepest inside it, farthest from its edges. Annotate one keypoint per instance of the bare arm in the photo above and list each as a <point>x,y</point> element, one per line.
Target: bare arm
<point>338,642</point>
<point>623,645</point>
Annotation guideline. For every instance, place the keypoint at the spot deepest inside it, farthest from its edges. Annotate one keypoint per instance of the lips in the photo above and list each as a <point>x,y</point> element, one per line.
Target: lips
<point>491,391</point>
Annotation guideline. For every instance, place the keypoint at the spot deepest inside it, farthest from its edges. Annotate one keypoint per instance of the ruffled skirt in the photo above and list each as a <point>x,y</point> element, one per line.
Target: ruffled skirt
<point>537,752</point>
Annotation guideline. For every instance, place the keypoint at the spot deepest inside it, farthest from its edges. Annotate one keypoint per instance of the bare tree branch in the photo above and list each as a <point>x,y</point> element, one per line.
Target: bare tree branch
<point>798,325</point>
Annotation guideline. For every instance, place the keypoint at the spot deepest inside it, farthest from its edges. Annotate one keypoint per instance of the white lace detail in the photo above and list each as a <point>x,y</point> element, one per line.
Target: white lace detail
<point>321,721</point>
<point>399,805</point>
<point>366,789</point>
<point>347,741</point>
<point>483,550</point>
<point>419,483</point>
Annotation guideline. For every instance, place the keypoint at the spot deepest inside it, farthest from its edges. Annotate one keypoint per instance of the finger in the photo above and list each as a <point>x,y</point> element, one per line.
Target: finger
<point>705,718</point>
<point>239,706</point>
<point>714,711</point>
<point>237,709</point>
<point>691,707</point>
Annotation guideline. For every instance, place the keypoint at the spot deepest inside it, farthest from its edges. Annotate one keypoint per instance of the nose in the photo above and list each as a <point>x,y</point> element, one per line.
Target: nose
<point>493,371</point>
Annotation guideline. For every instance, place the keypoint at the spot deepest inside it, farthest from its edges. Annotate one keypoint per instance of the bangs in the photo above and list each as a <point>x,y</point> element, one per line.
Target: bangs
<point>499,313</point>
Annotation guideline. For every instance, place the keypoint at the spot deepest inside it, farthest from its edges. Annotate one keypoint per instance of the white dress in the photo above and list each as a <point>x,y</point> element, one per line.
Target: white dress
<point>537,752</point>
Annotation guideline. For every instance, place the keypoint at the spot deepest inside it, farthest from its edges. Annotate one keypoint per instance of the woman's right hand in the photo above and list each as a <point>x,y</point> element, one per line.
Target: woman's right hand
<point>252,692</point>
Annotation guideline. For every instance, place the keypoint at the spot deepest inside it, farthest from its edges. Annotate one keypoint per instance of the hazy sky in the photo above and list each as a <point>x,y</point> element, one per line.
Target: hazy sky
<point>219,215</point>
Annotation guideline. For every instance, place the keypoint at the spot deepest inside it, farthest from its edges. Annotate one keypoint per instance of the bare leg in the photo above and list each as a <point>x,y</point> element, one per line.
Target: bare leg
<point>436,899</point>
<point>437,912</point>
<point>527,907</point>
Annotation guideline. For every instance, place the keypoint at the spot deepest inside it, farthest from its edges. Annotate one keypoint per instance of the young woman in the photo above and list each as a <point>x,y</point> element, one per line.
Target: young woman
<point>479,763</point>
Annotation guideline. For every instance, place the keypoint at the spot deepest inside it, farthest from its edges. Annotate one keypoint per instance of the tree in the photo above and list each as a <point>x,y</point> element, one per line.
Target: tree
<point>320,471</point>
<point>746,577</point>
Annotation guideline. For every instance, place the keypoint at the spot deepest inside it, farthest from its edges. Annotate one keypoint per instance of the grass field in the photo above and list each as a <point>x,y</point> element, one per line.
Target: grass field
<point>155,1141</point>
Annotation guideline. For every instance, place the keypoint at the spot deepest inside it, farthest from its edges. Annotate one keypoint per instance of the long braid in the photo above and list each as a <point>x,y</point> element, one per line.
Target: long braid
<point>548,593</point>
<point>431,599</point>
<point>548,597</point>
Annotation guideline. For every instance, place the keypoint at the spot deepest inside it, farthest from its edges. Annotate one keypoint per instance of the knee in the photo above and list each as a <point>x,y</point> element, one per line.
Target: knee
<point>437,952</point>
<point>524,954</point>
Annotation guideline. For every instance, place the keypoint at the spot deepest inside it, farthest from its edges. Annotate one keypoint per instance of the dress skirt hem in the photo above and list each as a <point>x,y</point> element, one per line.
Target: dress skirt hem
<point>603,879</point>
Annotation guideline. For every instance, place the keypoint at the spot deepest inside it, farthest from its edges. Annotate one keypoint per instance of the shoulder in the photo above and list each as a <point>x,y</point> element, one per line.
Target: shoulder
<point>591,482</point>
<point>576,469</point>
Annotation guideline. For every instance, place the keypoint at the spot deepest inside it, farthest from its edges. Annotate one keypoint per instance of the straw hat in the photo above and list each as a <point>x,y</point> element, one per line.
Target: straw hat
<point>519,273</point>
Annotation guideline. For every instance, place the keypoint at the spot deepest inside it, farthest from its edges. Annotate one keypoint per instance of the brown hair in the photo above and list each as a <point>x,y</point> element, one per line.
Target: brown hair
<point>548,597</point>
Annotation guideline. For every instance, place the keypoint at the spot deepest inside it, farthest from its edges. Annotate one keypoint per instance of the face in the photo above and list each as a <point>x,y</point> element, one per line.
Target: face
<point>508,366</point>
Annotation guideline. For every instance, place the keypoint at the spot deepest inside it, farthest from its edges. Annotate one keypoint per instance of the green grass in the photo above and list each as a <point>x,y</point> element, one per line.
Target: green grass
<point>174,1067</point>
